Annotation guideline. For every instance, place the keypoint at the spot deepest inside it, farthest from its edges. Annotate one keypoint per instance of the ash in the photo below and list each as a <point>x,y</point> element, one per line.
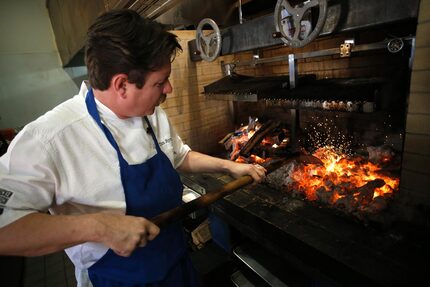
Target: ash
<point>280,179</point>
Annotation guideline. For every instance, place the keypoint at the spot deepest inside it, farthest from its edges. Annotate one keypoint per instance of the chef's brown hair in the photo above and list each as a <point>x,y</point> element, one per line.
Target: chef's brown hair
<point>121,41</point>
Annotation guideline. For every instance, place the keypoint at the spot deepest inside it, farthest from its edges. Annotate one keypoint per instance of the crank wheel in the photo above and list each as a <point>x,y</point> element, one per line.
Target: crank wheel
<point>295,23</point>
<point>208,41</point>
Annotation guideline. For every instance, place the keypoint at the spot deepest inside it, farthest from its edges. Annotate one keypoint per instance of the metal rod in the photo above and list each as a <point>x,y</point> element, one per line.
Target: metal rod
<point>292,70</point>
<point>412,56</point>
<point>240,12</point>
<point>314,54</point>
<point>162,8</point>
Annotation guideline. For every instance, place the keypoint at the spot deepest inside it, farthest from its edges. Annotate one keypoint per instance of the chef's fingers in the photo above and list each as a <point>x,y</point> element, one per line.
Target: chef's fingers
<point>123,253</point>
<point>259,173</point>
<point>152,231</point>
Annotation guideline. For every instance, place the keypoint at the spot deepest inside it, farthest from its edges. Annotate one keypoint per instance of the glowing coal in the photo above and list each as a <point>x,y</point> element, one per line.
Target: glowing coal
<point>348,183</point>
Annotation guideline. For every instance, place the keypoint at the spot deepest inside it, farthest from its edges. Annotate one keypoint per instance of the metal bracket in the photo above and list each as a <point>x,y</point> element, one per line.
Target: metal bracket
<point>228,69</point>
<point>345,50</point>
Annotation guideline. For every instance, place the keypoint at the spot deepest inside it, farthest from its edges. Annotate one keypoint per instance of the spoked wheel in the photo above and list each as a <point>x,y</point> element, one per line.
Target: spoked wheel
<point>208,41</point>
<point>295,22</point>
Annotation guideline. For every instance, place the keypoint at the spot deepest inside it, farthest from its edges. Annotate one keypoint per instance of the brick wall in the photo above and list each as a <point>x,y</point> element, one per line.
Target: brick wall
<point>201,123</point>
<point>415,178</point>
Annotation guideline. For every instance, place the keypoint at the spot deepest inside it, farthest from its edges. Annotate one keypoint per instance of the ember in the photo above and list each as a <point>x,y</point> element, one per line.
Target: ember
<point>256,142</point>
<point>352,183</point>
<point>348,183</point>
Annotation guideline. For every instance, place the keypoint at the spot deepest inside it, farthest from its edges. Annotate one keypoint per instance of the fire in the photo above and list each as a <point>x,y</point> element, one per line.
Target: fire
<point>340,176</point>
<point>348,183</point>
<point>241,137</point>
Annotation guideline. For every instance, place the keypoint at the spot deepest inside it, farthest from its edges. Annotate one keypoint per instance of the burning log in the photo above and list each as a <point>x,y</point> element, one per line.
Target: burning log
<point>226,141</point>
<point>258,137</point>
<point>366,191</point>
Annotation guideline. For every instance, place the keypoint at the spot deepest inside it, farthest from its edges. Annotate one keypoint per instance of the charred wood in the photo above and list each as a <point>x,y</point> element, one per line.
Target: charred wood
<point>258,137</point>
<point>366,191</point>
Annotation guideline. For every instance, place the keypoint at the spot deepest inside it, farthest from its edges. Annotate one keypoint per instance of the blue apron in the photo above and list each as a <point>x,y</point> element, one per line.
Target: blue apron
<point>150,188</point>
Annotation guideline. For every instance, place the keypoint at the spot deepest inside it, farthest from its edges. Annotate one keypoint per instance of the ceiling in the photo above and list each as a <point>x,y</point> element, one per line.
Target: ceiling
<point>183,14</point>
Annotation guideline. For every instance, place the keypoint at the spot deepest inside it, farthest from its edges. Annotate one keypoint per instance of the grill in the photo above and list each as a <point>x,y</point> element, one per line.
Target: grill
<point>320,243</point>
<point>324,247</point>
<point>353,83</point>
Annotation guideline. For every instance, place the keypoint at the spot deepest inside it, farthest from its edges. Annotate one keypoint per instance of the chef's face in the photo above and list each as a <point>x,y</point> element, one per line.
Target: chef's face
<point>142,102</point>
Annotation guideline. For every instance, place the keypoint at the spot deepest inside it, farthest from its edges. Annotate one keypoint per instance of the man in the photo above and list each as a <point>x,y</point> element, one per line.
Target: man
<point>95,163</point>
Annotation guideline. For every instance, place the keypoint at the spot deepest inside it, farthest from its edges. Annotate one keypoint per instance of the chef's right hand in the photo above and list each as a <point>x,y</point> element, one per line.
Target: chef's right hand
<point>124,233</point>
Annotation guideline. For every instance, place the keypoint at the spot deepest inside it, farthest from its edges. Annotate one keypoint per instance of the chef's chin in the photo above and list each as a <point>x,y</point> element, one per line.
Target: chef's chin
<point>162,99</point>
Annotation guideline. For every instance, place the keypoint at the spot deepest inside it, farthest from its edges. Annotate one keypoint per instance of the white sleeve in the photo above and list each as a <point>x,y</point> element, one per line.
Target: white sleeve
<point>167,130</point>
<point>180,150</point>
<point>27,178</point>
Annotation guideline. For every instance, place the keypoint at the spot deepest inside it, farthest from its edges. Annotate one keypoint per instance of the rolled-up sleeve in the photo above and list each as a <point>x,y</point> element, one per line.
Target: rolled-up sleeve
<point>27,178</point>
<point>180,150</point>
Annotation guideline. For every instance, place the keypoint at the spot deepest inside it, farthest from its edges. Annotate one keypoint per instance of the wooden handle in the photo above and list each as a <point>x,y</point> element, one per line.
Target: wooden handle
<point>181,211</point>
<point>203,201</point>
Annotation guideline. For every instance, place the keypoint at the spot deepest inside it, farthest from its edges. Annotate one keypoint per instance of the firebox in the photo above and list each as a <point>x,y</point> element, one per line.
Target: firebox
<point>355,125</point>
<point>343,98</point>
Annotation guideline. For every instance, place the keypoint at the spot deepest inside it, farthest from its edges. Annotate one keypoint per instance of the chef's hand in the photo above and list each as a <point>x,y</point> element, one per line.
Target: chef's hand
<point>124,233</point>
<point>256,171</point>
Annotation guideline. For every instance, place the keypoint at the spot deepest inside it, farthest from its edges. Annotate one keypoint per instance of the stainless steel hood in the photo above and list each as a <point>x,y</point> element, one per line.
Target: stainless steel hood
<point>342,16</point>
<point>249,24</point>
<point>190,12</point>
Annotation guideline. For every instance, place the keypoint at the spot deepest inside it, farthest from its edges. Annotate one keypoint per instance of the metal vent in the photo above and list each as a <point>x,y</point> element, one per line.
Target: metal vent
<point>152,8</point>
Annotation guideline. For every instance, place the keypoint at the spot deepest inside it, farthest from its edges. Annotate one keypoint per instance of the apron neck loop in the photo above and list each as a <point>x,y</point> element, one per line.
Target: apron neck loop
<point>92,110</point>
<point>151,131</point>
<point>92,107</point>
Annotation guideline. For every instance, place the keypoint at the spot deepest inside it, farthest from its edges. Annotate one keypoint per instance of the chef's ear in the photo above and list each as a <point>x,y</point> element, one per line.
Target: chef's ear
<point>119,82</point>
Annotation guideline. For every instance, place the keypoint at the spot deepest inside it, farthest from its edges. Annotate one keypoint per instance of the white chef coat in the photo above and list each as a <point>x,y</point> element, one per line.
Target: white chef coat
<point>63,162</point>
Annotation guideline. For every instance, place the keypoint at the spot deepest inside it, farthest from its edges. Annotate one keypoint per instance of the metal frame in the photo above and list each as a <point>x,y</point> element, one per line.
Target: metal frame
<point>291,58</point>
<point>292,70</point>
<point>342,16</point>
<point>314,54</point>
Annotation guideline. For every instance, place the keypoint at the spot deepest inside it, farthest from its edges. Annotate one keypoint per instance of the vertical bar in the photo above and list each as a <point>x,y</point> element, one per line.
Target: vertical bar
<point>240,12</point>
<point>292,70</point>
<point>294,112</point>
<point>412,56</point>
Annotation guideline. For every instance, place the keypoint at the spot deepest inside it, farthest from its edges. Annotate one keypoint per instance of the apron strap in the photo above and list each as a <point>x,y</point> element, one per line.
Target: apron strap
<point>92,110</point>
<point>154,138</point>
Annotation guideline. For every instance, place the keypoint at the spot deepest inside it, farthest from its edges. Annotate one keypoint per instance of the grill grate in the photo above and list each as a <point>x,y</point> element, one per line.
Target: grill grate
<point>309,92</point>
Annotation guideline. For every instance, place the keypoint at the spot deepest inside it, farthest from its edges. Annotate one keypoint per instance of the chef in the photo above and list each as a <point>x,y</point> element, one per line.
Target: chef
<point>88,175</point>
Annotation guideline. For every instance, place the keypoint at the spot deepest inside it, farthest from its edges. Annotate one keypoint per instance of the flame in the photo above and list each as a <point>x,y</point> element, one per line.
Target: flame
<point>257,159</point>
<point>352,183</point>
<point>339,175</point>
<point>242,136</point>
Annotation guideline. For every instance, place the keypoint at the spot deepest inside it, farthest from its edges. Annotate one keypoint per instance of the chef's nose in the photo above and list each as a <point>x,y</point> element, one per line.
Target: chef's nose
<point>167,87</point>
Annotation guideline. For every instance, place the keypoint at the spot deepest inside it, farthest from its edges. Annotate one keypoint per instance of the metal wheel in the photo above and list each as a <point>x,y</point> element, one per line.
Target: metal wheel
<point>208,42</point>
<point>294,23</point>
